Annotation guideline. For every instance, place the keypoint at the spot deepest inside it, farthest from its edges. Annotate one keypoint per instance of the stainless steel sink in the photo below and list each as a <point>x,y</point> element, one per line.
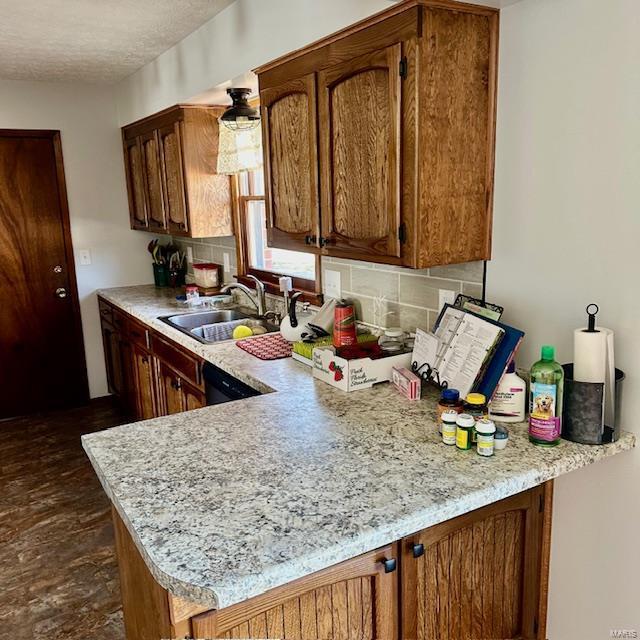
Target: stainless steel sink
<point>200,318</point>
<point>215,326</point>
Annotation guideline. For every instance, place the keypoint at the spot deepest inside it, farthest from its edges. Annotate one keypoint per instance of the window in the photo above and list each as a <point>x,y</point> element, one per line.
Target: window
<point>260,260</point>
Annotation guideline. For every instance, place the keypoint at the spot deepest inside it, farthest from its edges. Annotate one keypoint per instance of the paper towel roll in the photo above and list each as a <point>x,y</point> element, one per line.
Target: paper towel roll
<point>590,355</point>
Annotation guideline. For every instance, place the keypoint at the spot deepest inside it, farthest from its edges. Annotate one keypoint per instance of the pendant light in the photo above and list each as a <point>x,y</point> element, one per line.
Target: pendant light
<point>240,115</point>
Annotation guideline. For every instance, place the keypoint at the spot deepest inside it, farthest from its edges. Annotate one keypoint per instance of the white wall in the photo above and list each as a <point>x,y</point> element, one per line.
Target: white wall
<point>92,150</point>
<point>240,38</point>
<point>566,232</point>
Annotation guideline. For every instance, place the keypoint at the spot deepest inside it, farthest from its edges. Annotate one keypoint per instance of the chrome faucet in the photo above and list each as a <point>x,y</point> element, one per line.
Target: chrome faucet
<point>258,300</point>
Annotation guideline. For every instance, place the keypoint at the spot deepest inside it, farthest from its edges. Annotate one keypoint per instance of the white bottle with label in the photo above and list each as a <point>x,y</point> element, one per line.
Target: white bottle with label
<point>509,400</point>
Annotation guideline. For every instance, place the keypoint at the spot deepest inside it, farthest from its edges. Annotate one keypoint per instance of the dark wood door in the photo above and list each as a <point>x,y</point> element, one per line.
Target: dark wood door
<point>481,575</point>
<point>289,125</point>
<point>135,175</point>
<point>354,599</point>
<point>153,181</point>
<point>142,366</point>
<point>170,389</point>
<point>41,343</point>
<point>170,145</point>
<point>193,398</point>
<point>359,106</point>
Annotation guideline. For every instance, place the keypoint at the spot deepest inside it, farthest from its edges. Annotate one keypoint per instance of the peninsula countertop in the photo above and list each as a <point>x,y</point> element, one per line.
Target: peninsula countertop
<point>228,501</point>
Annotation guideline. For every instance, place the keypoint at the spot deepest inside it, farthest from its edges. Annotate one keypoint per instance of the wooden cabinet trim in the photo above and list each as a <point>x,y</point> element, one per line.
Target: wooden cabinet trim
<point>177,222</point>
<point>386,28</point>
<point>139,219</point>
<point>154,188</point>
<point>532,511</point>
<point>370,564</point>
<point>305,86</point>
<point>385,247</point>
<point>186,364</point>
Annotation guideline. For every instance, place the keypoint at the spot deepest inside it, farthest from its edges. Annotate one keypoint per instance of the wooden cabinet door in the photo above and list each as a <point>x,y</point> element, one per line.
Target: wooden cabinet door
<point>135,175</point>
<point>289,126</point>
<point>153,181</point>
<point>481,575</point>
<point>354,599</point>
<point>112,358</point>
<point>193,398</point>
<point>144,383</point>
<point>169,141</point>
<point>360,150</point>
<point>170,389</point>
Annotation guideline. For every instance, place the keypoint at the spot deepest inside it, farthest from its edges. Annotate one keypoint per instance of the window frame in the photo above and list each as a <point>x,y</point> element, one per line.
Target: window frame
<point>311,289</point>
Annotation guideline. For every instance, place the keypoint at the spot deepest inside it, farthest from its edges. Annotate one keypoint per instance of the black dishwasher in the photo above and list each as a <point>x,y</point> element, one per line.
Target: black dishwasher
<point>221,387</point>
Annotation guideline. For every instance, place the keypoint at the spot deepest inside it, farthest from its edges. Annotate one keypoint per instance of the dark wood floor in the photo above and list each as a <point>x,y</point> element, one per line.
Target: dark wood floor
<point>58,572</point>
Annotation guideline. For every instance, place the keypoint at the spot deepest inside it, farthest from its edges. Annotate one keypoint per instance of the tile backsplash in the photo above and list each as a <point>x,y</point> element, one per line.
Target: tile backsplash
<point>384,295</point>
<point>387,296</point>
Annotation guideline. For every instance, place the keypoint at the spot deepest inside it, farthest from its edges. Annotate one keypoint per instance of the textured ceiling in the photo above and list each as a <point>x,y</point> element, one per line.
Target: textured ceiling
<point>99,41</point>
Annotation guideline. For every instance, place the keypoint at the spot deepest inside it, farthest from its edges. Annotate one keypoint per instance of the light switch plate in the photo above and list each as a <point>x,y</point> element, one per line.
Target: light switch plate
<point>227,262</point>
<point>446,296</point>
<point>84,257</point>
<point>190,255</point>
<point>332,284</point>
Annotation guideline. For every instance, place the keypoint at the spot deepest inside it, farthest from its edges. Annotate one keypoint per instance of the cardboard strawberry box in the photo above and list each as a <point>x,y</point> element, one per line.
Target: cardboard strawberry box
<point>351,375</point>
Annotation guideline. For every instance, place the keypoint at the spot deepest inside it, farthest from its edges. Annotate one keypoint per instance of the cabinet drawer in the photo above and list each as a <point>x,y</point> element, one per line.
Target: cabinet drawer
<point>186,364</point>
<point>106,311</point>
<point>140,335</point>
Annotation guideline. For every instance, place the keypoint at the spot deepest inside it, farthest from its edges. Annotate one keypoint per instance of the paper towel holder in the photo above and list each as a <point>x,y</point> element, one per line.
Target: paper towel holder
<point>591,325</point>
<point>583,411</point>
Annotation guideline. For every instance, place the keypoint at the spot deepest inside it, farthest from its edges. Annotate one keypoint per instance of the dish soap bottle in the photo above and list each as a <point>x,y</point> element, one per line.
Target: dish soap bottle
<point>508,402</point>
<point>547,383</point>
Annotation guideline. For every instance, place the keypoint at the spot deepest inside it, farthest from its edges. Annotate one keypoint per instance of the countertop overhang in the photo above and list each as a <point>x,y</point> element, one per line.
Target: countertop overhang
<point>231,500</point>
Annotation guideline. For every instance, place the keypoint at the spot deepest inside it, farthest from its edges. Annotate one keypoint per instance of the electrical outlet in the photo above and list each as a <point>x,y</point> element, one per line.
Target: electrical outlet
<point>84,257</point>
<point>190,255</point>
<point>332,284</point>
<point>227,262</point>
<point>446,296</point>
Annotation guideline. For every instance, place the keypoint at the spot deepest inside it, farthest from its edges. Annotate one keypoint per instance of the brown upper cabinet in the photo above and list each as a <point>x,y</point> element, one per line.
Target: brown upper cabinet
<point>170,165</point>
<point>379,139</point>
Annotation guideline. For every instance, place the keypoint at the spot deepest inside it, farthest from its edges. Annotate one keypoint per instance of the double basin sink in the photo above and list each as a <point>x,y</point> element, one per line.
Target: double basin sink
<point>217,325</point>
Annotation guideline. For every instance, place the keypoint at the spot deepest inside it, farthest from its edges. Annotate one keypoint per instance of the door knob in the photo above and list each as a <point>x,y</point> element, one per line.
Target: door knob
<point>61,292</point>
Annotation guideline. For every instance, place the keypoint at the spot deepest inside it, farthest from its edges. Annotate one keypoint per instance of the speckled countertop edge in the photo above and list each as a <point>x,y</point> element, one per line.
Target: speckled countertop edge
<point>287,377</point>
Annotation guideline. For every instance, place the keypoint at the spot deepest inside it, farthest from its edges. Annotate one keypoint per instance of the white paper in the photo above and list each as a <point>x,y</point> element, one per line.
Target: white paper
<point>425,348</point>
<point>467,341</point>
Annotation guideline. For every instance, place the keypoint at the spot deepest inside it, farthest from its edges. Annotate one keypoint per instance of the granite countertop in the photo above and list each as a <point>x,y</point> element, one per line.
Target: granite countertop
<point>228,501</point>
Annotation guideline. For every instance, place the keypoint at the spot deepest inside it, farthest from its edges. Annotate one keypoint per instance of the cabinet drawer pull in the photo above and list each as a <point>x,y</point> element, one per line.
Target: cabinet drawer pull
<point>417,549</point>
<point>389,564</point>
<point>145,359</point>
<point>176,383</point>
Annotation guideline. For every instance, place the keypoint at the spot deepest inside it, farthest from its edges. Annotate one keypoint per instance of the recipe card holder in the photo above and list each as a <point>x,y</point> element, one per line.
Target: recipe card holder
<point>428,375</point>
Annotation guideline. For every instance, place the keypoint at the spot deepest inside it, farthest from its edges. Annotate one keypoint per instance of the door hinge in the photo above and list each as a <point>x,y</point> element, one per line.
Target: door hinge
<point>535,626</point>
<point>402,233</point>
<point>403,67</point>
<point>541,506</point>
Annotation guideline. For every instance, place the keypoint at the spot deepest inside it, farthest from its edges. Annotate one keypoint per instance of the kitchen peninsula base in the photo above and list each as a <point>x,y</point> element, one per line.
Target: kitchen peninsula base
<point>480,575</point>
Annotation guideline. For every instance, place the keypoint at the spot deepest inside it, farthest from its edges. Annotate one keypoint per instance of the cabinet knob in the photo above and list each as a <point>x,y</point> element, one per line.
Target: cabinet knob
<point>389,564</point>
<point>309,239</point>
<point>61,292</point>
<point>417,549</point>
<point>176,383</point>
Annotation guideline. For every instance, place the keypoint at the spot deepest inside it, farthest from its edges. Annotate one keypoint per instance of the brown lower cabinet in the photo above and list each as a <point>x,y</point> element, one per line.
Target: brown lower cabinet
<point>478,576</point>
<point>150,375</point>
